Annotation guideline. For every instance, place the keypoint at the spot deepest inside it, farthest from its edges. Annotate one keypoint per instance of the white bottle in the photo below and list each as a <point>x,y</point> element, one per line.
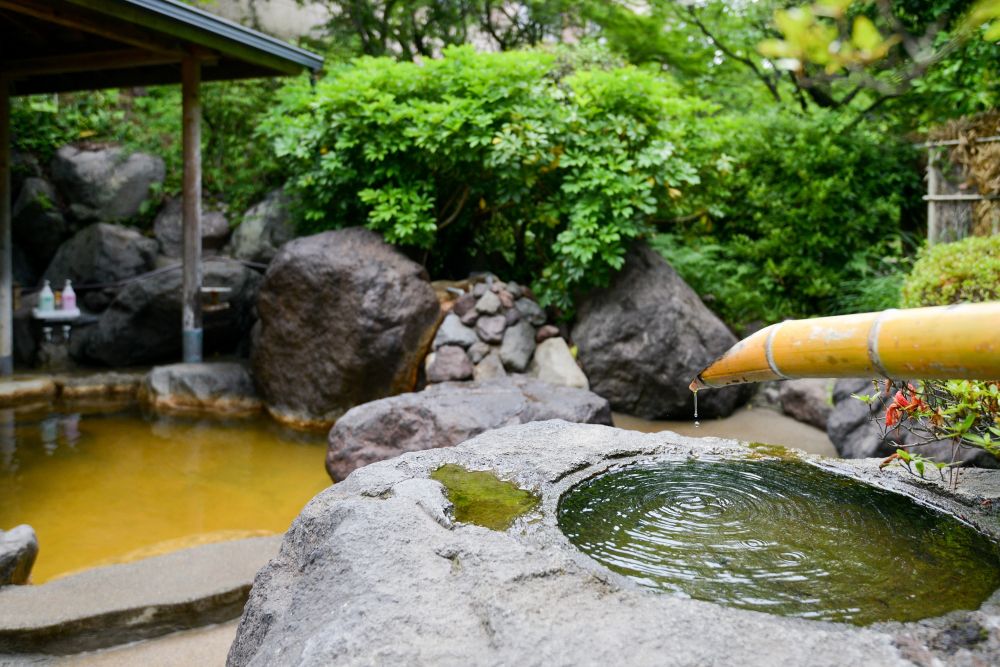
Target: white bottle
<point>46,299</point>
<point>68,297</point>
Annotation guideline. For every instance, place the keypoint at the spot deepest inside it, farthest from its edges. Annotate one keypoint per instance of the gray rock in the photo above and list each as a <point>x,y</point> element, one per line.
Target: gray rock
<point>23,271</point>
<point>18,550</point>
<point>480,289</point>
<point>37,225</point>
<point>511,316</point>
<point>105,183</point>
<point>169,229</point>
<point>448,363</point>
<point>488,304</point>
<point>477,351</point>
<point>515,290</point>
<point>490,328</point>
<point>546,332</point>
<point>370,573</point>
<point>506,300</point>
<point>344,319</point>
<point>453,332</point>
<point>643,339</point>
<point>531,311</point>
<point>517,347</point>
<point>143,324</point>
<point>553,363</point>
<point>854,432</point>
<point>808,400</point>
<point>465,308</point>
<point>101,254</point>
<point>217,387</point>
<point>489,367</point>
<point>265,228</point>
<point>443,415</point>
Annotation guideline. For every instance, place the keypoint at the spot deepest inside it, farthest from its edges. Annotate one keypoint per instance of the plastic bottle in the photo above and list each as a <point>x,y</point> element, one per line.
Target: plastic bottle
<point>46,299</point>
<point>68,297</point>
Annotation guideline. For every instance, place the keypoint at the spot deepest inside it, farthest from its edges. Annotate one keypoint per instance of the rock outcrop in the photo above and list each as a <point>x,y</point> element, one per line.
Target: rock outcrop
<point>101,254</point>
<point>266,227</point>
<point>446,414</point>
<point>169,229</point>
<point>143,324</point>
<point>18,550</point>
<point>37,225</point>
<point>105,183</point>
<point>643,339</point>
<point>344,319</point>
<point>206,388</point>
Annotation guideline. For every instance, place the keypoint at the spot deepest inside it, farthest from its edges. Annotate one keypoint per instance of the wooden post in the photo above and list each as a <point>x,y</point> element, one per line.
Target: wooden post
<point>6,256</point>
<point>932,189</point>
<point>192,333</point>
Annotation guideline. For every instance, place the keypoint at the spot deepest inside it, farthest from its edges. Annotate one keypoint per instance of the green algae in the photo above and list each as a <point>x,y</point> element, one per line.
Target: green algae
<point>782,537</point>
<point>482,498</point>
<point>764,450</point>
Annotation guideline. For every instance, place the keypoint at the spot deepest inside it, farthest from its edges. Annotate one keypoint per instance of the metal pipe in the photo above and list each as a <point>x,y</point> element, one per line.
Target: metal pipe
<point>942,342</point>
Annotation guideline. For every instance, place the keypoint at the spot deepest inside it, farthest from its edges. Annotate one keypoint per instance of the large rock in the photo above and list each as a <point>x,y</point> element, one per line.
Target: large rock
<point>169,229</point>
<point>18,550</point>
<point>265,228</point>
<point>643,339</point>
<point>453,332</point>
<point>554,363</point>
<point>101,254</point>
<point>37,225</point>
<point>808,400</point>
<point>376,570</point>
<point>344,319</point>
<point>105,183</point>
<point>217,388</point>
<point>447,414</point>
<point>143,324</point>
<point>856,435</point>
<point>517,347</point>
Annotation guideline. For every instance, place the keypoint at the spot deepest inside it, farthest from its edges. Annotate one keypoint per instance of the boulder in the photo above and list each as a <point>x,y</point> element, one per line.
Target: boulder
<point>101,254</point>
<point>448,363</point>
<point>489,367</point>
<point>265,227</point>
<point>444,415</point>
<point>553,363</point>
<point>18,550</point>
<point>105,183</point>
<point>22,270</point>
<point>517,347</point>
<point>216,388</point>
<point>856,435</point>
<point>642,339</point>
<point>37,225</point>
<point>169,229</point>
<point>453,332</point>
<point>344,319</point>
<point>143,324</point>
<point>808,400</point>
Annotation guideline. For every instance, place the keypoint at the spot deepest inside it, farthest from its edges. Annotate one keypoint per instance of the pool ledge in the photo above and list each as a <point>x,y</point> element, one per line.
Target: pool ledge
<point>116,604</point>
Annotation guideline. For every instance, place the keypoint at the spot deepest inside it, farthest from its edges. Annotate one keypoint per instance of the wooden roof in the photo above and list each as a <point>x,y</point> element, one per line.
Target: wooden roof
<point>51,46</point>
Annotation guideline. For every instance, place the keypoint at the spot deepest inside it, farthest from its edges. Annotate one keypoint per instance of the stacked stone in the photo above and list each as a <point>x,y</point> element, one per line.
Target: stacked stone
<point>497,329</point>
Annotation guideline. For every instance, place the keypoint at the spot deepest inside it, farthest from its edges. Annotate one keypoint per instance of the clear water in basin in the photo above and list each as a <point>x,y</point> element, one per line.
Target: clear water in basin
<point>783,537</point>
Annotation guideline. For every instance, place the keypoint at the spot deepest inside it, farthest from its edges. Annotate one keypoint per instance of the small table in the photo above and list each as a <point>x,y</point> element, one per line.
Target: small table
<point>52,317</point>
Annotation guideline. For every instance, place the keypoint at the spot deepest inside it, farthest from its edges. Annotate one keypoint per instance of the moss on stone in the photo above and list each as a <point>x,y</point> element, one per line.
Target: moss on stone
<point>482,498</point>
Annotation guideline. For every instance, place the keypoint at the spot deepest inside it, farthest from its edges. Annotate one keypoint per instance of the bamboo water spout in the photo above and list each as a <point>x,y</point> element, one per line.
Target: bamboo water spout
<point>943,342</point>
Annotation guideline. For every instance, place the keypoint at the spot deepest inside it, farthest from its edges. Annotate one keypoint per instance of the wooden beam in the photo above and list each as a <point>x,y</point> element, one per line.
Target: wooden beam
<point>6,258</point>
<point>191,210</point>
<point>117,31</point>
<point>87,62</point>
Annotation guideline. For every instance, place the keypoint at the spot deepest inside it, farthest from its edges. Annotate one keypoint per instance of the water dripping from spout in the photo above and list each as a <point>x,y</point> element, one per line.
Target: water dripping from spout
<point>697,424</point>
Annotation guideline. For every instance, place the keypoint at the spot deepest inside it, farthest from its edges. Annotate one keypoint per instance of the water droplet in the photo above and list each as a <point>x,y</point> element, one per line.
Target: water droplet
<point>697,424</point>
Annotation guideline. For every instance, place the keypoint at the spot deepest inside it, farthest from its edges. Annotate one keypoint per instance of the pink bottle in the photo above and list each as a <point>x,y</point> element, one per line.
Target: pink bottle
<point>68,297</point>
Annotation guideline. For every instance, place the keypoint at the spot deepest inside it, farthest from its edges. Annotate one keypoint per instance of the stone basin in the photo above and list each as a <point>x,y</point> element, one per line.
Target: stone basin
<point>376,571</point>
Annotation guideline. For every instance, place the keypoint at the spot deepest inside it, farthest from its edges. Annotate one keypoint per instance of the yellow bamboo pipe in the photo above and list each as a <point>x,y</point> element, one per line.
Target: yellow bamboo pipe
<point>944,342</point>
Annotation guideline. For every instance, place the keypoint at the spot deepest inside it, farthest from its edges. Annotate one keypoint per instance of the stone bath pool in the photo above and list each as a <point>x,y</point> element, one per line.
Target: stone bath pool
<point>105,484</point>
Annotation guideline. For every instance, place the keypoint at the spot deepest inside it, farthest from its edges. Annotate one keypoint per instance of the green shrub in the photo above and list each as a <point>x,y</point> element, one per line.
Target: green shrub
<point>947,273</point>
<point>518,162</point>
<point>809,212</point>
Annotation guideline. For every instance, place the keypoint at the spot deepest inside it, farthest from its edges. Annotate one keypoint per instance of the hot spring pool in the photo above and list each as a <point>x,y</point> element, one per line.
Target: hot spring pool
<point>102,487</point>
<point>782,537</point>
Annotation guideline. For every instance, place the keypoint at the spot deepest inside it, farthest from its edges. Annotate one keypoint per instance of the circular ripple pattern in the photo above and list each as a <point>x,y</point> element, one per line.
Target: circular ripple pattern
<point>781,537</point>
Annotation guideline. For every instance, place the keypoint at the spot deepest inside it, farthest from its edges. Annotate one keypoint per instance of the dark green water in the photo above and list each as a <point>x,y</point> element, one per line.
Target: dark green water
<point>780,537</point>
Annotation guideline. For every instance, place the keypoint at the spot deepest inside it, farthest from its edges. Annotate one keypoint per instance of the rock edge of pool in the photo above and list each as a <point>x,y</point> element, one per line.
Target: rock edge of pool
<point>376,571</point>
